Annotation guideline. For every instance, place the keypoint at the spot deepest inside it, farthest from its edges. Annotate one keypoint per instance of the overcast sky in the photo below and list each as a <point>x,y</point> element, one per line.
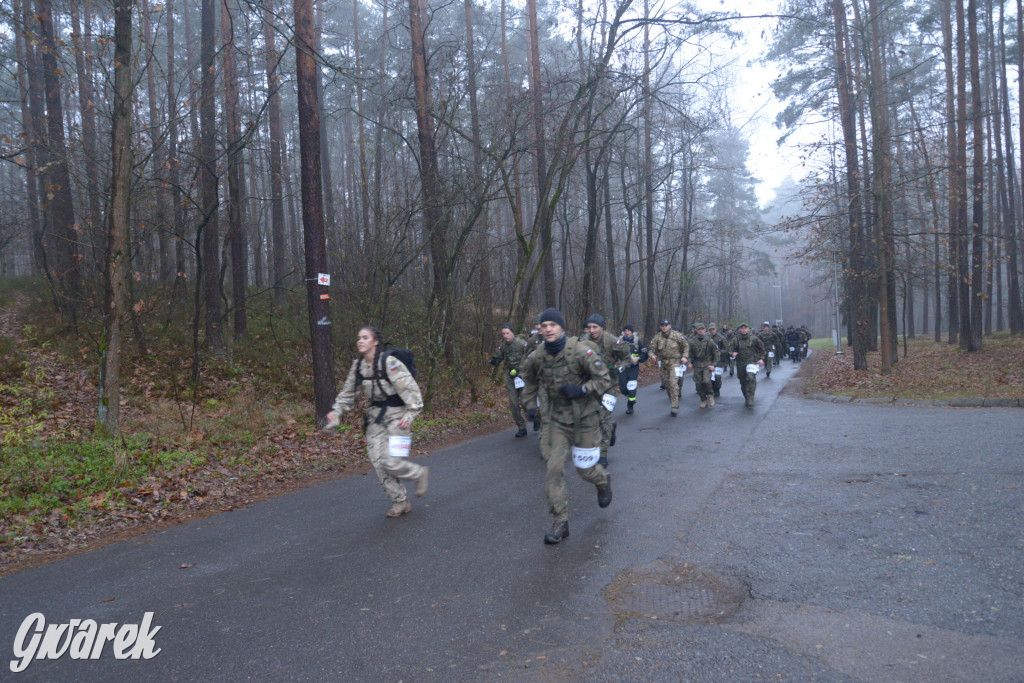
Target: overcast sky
<point>754,105</point>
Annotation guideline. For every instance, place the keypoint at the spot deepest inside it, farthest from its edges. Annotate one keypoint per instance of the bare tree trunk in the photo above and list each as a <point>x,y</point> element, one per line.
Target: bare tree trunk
<point>161,217</point>
<point>312,209</point>
<point>325,155</point>
<point>977,210</point>
<point>952,183</point>
<point>483,255</point>
<point>31,142</point>
<point>208,181</point>
<point>429,178</point>
<point>87,110</point>
<point>856,291</point>
<point>276,133</point>
<point>57,178</point>
<point>611,248</point>
<point>108,412</point>
<point>542,221</point>
<point>173,163</point>
<point>962,253</point>
<point>236,183</point>
<point>517,185</point>
<point>882,188</point>
<point>648,174</point>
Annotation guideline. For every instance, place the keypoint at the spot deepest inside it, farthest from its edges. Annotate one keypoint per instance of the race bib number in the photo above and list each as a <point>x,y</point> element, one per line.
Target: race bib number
<point>718,372</point>
<point>631,385</point>
<point>771,354</point>
<point>792,348</point>
<point>518,383</point>
<point>398,446</point>
<point>585,458</point>
<point>608,401</point>
<point>680,370</point>
<point>752,368</point>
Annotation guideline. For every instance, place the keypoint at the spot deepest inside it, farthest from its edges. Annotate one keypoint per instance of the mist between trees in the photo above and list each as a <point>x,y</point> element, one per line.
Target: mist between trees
<point>453,166</point>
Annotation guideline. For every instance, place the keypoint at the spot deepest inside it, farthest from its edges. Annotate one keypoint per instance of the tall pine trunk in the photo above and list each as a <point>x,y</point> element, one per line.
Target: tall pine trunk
<point>208,198</point>
<point>313,209</point>
<point>236,183</point>
<point>59,207</point>
<point>108,413</point>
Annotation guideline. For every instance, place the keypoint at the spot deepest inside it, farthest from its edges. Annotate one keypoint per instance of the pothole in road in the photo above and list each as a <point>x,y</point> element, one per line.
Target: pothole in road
<point>684,593</point>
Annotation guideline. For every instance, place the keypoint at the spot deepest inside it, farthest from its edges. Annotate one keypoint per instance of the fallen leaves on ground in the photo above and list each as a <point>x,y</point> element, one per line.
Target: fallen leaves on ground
<point>929,371</point>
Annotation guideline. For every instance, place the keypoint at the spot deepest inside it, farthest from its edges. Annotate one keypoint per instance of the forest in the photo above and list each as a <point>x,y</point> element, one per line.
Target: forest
<point>181,170</point>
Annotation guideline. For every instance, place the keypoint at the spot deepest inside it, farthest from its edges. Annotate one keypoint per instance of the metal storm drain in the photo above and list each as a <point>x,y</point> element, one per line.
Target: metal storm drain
<point>679,594</point>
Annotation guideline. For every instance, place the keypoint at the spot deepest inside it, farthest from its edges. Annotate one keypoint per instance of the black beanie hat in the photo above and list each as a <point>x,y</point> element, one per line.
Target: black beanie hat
<point>552,315</point>
<point>597,319</point>
<point>508,326</point>
<point>628,327</point>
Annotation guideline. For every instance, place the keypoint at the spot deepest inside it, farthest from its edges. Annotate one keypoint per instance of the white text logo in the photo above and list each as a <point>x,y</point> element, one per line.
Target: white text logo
<point>81,639</point>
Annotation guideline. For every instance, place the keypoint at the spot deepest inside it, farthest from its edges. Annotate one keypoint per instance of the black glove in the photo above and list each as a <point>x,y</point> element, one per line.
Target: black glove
<point>572,390</point>
<point>495,360</point>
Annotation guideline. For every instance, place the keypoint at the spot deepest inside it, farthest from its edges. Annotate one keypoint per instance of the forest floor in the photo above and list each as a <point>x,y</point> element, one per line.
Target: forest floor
<point>929,371</point>
<point>248,435</point>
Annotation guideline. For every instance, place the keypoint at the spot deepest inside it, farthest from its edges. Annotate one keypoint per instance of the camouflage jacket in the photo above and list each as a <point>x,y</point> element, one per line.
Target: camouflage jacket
<point>614,352</point>
<point>577,363</point>
<point>398,385</point>
<point>720,342</point>
<point>669,348</point>
<point>748,349</point>
<point>703,351</point>
<point>514,353</point>
<point>635,346</point>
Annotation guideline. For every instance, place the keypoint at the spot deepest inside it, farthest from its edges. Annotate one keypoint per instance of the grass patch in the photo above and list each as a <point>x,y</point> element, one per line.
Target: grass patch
<point>821,344</point>
<point>39,479</point>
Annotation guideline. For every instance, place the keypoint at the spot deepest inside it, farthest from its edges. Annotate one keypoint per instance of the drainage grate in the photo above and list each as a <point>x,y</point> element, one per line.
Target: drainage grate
<point>682,594</point>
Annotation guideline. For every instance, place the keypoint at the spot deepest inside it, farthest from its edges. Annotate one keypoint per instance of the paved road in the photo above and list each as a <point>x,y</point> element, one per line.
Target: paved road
<point>797,540</point>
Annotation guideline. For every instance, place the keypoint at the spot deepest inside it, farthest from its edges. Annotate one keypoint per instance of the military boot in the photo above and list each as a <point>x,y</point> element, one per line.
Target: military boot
<point>399,509</point>
<point>604,493</point>
<point>611,441</point>
<point>521,432</point>
<point>421,483</point>
<point>629,408</point>
<point>711,401</point>
<point>559,530</point>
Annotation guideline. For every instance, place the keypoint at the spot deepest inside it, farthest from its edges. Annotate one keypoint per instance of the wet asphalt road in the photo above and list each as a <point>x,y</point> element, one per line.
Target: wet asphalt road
<point>797,540</point>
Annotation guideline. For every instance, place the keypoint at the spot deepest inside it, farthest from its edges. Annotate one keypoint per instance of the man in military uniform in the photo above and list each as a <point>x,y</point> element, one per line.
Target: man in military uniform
<point>767,338</point>
<point>780,341</point>
<point>727,334</point>
<point>513,350</point>
<point>747,348</point>
<point>805,338</point>
<point>573,377</point>
<point>536,340</point>
<point>794,340</point>
<point>630,375</point>
<point>704,355</point>
<point>615,355</point>
<point>669,347</point>
<point>721,361</point>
